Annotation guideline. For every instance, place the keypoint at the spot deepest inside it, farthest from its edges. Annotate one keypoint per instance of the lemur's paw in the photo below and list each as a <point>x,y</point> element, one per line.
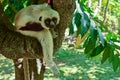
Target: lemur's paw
<point>55,71</point>
<point>55,34</point>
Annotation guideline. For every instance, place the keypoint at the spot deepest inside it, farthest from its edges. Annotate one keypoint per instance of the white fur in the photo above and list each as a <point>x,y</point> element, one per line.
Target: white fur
<point>32,14</point>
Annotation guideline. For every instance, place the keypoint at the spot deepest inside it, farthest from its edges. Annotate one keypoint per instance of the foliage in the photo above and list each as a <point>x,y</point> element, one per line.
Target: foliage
<point>73,65</point>
<point>6,69</point>
<point>96,43</point>
<point>11,7</point>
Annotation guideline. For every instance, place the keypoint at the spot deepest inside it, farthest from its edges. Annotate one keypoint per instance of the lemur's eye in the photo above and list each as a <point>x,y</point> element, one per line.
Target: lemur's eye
<point>47,21</point>
<point>40,18</point>
<point>54,20</point>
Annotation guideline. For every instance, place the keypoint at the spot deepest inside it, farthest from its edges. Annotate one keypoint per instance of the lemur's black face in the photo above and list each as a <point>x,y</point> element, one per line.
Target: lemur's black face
<point>49,22</point>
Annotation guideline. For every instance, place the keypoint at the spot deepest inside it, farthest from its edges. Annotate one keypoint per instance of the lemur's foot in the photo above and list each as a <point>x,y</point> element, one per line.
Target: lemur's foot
<point>55,70</point>
<point>53,67</point>
<point>57,74</point>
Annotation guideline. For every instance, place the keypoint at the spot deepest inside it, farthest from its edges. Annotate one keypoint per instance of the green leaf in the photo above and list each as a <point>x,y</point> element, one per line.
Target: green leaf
<point>101,36</point>
<point>115,61</point>
<point>93,31</point>
<point>90,45</point>
<point>81,19</point>
<point>83,1</point>
<point>107,52</point>
<point>85,24</point>
<point>113,37</point>
<point>76,19</point>
<point>71,28</point>
<point>97,50</point>
<point>86,42</point>
<point>96,19</point>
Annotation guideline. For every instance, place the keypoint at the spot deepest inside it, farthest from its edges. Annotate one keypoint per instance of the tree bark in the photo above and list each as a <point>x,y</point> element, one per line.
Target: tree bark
<point>14,45</point>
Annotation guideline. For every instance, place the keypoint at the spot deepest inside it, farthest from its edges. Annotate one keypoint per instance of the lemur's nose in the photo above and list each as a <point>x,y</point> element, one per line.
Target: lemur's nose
<point>52,24</point>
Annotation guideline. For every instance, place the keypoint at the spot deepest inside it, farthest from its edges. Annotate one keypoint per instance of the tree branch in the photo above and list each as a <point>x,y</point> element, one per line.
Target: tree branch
<point>105,13</point>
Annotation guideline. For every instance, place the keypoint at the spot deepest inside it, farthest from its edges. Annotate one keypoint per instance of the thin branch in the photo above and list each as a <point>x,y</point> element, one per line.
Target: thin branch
<point>105,13</point>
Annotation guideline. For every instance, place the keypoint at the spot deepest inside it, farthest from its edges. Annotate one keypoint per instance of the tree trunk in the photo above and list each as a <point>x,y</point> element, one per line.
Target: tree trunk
<point>14,45</point>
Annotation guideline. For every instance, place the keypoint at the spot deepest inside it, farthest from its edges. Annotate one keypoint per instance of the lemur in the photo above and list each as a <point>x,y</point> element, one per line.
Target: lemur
<point>35,21</point>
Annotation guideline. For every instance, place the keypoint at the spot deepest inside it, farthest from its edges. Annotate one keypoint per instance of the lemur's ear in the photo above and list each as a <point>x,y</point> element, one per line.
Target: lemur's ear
<point>50,2</point>
<point>40,18</point>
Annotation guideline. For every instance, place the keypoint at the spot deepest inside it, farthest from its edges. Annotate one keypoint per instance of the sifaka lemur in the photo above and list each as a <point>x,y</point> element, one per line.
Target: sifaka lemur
<point>35,21</point>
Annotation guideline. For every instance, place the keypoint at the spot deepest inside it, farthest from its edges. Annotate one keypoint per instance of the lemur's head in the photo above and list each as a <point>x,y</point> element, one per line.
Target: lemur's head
<point>49,18</point>
<point>36,17</point>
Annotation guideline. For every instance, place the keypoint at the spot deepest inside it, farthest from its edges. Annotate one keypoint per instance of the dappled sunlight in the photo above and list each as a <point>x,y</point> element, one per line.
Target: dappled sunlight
<point>74,65</point>
<point>6,69</point>
<point>69,70</point>
<point>95,69</point>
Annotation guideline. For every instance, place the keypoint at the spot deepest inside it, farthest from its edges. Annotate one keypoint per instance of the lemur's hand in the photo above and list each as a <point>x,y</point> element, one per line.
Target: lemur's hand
<point>54,33</point>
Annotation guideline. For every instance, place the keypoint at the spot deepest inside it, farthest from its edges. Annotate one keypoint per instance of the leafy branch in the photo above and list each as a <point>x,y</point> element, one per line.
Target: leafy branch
<point>96,43</point>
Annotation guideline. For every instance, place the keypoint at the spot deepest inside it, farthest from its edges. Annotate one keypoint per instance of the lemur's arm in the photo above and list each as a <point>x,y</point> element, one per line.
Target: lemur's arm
<point>54,33</point>
<point>47,44</point>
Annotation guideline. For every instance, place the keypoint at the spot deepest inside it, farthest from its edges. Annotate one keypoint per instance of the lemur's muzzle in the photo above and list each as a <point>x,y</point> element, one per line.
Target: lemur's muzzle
<point>52,24</point>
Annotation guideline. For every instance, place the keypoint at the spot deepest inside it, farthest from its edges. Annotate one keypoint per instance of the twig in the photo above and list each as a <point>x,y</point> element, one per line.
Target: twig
<point>105,13</point>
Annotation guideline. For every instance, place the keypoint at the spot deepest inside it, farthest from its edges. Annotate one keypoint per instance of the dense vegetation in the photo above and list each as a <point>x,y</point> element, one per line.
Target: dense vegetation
<point>102,31</point>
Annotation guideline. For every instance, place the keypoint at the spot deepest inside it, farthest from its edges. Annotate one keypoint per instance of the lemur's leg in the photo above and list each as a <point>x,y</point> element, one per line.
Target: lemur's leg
<point>47,46</point>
